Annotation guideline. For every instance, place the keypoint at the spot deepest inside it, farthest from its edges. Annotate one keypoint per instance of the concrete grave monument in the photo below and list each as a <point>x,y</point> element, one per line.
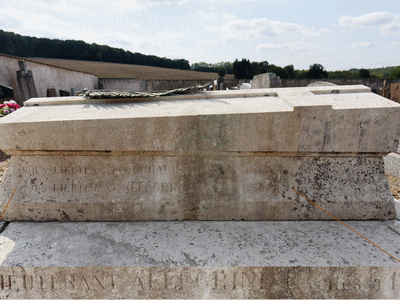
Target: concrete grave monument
<point>266,80</point>
<point>209,156</point>
<point>227,158</point>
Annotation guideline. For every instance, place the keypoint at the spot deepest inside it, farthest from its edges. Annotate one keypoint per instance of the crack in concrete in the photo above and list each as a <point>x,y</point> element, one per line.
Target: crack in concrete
<point>289,284</point>
<point>392,229</point>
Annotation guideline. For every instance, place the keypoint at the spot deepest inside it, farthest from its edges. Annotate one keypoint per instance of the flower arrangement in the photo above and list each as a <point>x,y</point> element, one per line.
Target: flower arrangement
<point>8,107</point>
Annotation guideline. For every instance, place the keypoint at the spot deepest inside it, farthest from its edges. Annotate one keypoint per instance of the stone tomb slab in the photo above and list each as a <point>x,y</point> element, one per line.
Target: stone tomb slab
<point>344,119</point>
<point>232,155</point>
<point>199,259</point>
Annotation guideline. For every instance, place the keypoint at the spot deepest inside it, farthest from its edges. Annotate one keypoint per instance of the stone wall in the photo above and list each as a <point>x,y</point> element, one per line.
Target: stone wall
<point>374,83</point>
<point>45,76</point>
<point>154,85</point>
<point>120,84</point>
<point>162,85</point>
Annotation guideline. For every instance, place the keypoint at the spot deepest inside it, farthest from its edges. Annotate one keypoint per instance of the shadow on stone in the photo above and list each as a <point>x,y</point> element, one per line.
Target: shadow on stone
<point>3,156</point>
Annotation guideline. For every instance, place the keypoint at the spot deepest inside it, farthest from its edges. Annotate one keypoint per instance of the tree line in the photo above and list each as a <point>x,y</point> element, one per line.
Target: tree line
<point>245,69</point>
<point>25,46</point>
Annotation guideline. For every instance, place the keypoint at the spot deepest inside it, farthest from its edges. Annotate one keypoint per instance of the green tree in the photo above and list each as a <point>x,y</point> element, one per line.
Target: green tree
<point>317,71</point>
<point>260,68</point>
<point>99,56</point>
<point>364,73</point>
<point>221,72</point>
<point>242,69</point>
<point>26,46</point>
<point>290,71</point>
<point>395,73</point>
<point>281,72</point>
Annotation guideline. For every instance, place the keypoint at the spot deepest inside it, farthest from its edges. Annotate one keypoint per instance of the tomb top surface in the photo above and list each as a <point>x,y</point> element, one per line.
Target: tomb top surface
<point>151,109</point>
<point>285,119</point>
<point>201,103</point>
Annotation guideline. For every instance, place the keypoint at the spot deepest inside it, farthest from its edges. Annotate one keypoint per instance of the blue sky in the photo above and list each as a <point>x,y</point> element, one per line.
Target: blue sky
<point>337,34</point>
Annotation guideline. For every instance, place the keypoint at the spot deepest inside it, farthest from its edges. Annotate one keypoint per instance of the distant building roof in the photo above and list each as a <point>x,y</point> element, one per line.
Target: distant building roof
<point>128,71</point>
<point>44,63</point>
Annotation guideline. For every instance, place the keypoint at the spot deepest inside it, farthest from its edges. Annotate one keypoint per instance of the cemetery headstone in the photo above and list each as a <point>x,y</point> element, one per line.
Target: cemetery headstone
<point>64,93</point>
<point>266,80</point>
<point>51,92</point>
<point>26,83</point>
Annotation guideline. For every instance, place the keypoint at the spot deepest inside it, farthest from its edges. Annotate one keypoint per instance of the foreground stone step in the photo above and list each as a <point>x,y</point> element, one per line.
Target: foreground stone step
<point>197,259</point>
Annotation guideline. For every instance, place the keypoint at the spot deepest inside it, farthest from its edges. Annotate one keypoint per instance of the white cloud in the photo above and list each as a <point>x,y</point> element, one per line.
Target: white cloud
<point>240,29</point>
<point>390,29</point>
<point>228,16</point>
<point>362,45</point>
<point>388,24</point>
<point>371,19</point>
<point>291,47</point>
<point>141,4</point>
<point>126,4</point>
<point>215,18</point>
<point>395,44</point>
<point>61,6</point>
<point>12,13</point>
<point>33,20</point>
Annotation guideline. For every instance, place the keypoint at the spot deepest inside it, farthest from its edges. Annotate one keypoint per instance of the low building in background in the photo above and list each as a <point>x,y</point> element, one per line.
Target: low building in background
<point>45,77</point>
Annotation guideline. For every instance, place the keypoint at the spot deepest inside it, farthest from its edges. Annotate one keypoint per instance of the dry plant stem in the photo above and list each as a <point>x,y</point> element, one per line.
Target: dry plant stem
<point>346,225</point>
<point>7,204</point>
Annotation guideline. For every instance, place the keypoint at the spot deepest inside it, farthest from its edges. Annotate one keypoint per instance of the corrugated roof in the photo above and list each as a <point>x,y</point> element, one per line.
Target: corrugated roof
<point>43,63</point>
<point>128,71</point>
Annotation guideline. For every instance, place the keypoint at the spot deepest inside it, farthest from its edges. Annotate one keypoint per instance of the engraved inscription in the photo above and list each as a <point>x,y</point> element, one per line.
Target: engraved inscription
<point>219,280</point>
<point>349,284</point>
<point>147,186</point>
<point>93,179</point>
<point>130,169</point>
<point>132,179</point>
<point>58,282</point>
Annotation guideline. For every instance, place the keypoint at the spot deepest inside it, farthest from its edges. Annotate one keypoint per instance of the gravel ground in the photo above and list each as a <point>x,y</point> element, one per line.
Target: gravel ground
<point>393,182</point>
<point>394,186</point>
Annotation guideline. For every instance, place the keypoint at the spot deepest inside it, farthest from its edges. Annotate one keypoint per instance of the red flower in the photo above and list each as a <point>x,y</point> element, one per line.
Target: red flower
<point>12,105</point>
<point>1,106</point>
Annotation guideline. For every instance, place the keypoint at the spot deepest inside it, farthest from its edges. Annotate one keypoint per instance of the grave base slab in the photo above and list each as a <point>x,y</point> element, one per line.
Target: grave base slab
<point>200,259</point>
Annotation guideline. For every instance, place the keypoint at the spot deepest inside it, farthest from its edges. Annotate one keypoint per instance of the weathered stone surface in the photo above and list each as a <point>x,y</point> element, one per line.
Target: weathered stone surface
<point>200,244</point>
<point>200,283</point>
<point>395,224</point>
<point>200,260</point>
<point>209,156</point>
<point>265,81</point>
<point>319,119</point>
<point>194,187</point>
